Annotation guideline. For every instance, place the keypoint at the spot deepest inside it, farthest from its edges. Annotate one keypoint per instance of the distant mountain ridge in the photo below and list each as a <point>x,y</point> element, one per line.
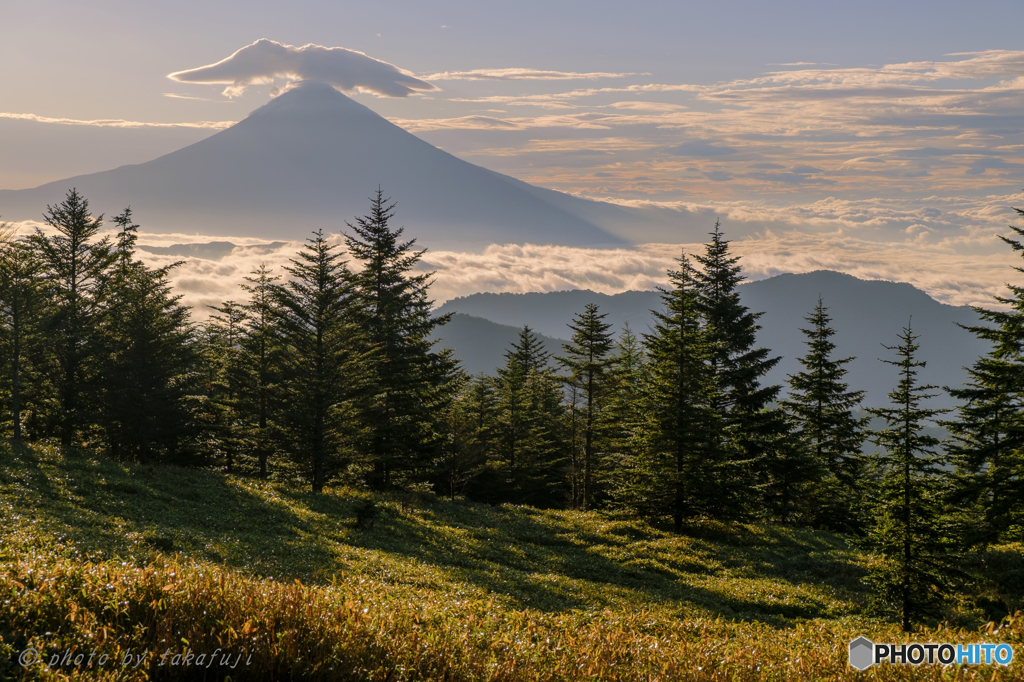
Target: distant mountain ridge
<point>310,159</point>
<point>866,314</point>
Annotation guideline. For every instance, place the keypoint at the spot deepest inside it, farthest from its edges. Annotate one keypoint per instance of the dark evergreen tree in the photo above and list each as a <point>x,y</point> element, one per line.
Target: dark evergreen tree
<point>587,360</point>
<point>75,268</point>
<point>827,478</point>
<point>466,435</point>
<point>987,445</point>
<point>627,423</point>
<point>322,368</point>
<point>484,473</point>
<point>259,359</point>
<point>408,382</point>
<point>916,565</point>
<point>150,366</point>
<point>682,472</point>
<point>749,427</point>
<point>531,424</point>
<point>20,302</point>
<point>225,383</point>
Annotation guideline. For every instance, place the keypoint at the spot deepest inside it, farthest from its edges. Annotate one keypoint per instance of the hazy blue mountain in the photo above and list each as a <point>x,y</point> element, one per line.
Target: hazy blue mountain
<point>310,159</point>
<point>866,314</point>
<point>480,344</point>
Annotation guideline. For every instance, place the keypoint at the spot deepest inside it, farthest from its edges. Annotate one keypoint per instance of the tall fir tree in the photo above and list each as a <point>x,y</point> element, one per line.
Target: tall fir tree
<point>531,424</point>
<point>322,368</point>
<point>408,381</point>
<point>683,472</point>
<point>822,406</point>
<point>149,369</point>
<point>628,423</point>
<point>987,445</point>
<point>750,428</point>
<point>225,382</point>
<point>916,561</point>
<point>20,308</point>
<point>75,267</point>
<point>260,355</point>
<point>587,360</point>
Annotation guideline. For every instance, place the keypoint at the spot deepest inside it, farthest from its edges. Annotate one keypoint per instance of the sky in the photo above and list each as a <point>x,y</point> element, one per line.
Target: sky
<point>879,138</point>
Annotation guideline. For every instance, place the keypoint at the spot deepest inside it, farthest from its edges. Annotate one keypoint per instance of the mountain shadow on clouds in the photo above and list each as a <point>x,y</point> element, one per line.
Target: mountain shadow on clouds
<point>310,159</point>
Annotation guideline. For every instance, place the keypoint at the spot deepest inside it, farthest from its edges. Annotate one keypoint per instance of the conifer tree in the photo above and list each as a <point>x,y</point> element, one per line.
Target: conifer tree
<point>408,382</point>
<point>149,368</point>
<point>587,361</point>
<point>988,433</point>
<point>20,303</point>
<point>322,372</point>
<point>259,361</point>
<point>466,435</point>
<point>75,267</point>
<point>627,422</point>
<point>749,427</point>
<point>682,472</point>
<point>916,564</point>
<point>226,381</point>
<point>822,405</point>
<point>530,423</point>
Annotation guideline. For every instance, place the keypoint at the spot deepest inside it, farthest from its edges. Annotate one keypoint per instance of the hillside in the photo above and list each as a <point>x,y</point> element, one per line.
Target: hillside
<point>480,344</point>
<point>866,314</point>
<point>150,558</point>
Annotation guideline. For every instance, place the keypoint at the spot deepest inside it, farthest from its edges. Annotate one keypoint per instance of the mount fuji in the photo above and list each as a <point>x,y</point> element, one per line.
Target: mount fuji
<point>309,159</point>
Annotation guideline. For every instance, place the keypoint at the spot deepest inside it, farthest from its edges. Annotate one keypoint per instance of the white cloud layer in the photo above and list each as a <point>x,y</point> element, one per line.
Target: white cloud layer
<point>942,270</point>
<point>267,60</point>
<point>117,122</point>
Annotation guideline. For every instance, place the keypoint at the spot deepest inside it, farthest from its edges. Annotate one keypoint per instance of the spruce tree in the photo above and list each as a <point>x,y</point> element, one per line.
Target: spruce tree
<point>322,372</point>
<point>987,445</point>
<point>226,382</point>
<point>682,472</point>
<point>628,423</point>
<point>587,361</point>
<point>531,423</point>
<point>916,564</point>
<point>750,428</point>
<point>822,406</point>
<point>408,382</point>
<point>20,303</point>
<point>259,362</point>
<point>149,369</point>
<point>74,269</point>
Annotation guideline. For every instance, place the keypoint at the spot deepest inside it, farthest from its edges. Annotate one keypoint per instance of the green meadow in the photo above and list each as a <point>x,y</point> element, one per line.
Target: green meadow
<point>112,559</point>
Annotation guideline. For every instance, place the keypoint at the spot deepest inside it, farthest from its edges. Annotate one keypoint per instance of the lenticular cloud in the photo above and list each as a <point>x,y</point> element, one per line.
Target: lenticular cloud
<point>266,60</point>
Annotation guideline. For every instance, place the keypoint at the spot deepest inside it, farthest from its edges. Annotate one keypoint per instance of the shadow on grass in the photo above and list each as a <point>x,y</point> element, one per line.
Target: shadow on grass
<point>549,561</point>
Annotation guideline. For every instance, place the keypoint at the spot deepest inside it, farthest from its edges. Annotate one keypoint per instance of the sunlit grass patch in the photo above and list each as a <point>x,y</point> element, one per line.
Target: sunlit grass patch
<point>99,554</point>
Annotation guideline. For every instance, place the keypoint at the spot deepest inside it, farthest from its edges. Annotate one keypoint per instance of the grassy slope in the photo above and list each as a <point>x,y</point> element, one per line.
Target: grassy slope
<point>501,593</point>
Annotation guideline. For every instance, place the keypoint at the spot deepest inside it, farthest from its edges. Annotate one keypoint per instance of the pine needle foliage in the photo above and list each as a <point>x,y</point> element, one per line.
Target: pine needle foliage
<point>151,362</point>
<point>988,434</point>
<point>322,369</point>
<point>822,406</point>
<point>407,380</point>
<point>750,428</point>
<point>917,561</point>
<point>75,267</point>
<point>682,467</point>
<point>588,362</point>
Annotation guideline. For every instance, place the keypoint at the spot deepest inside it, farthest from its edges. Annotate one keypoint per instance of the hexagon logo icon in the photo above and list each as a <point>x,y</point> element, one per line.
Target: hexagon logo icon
<point>861,650</point>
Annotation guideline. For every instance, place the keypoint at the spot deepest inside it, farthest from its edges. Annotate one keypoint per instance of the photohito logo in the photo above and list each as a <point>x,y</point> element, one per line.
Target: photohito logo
<point>864,653</point>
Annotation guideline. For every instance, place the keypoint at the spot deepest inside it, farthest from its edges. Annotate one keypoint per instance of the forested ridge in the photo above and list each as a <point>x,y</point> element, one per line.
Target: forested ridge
<point>325,373</point>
